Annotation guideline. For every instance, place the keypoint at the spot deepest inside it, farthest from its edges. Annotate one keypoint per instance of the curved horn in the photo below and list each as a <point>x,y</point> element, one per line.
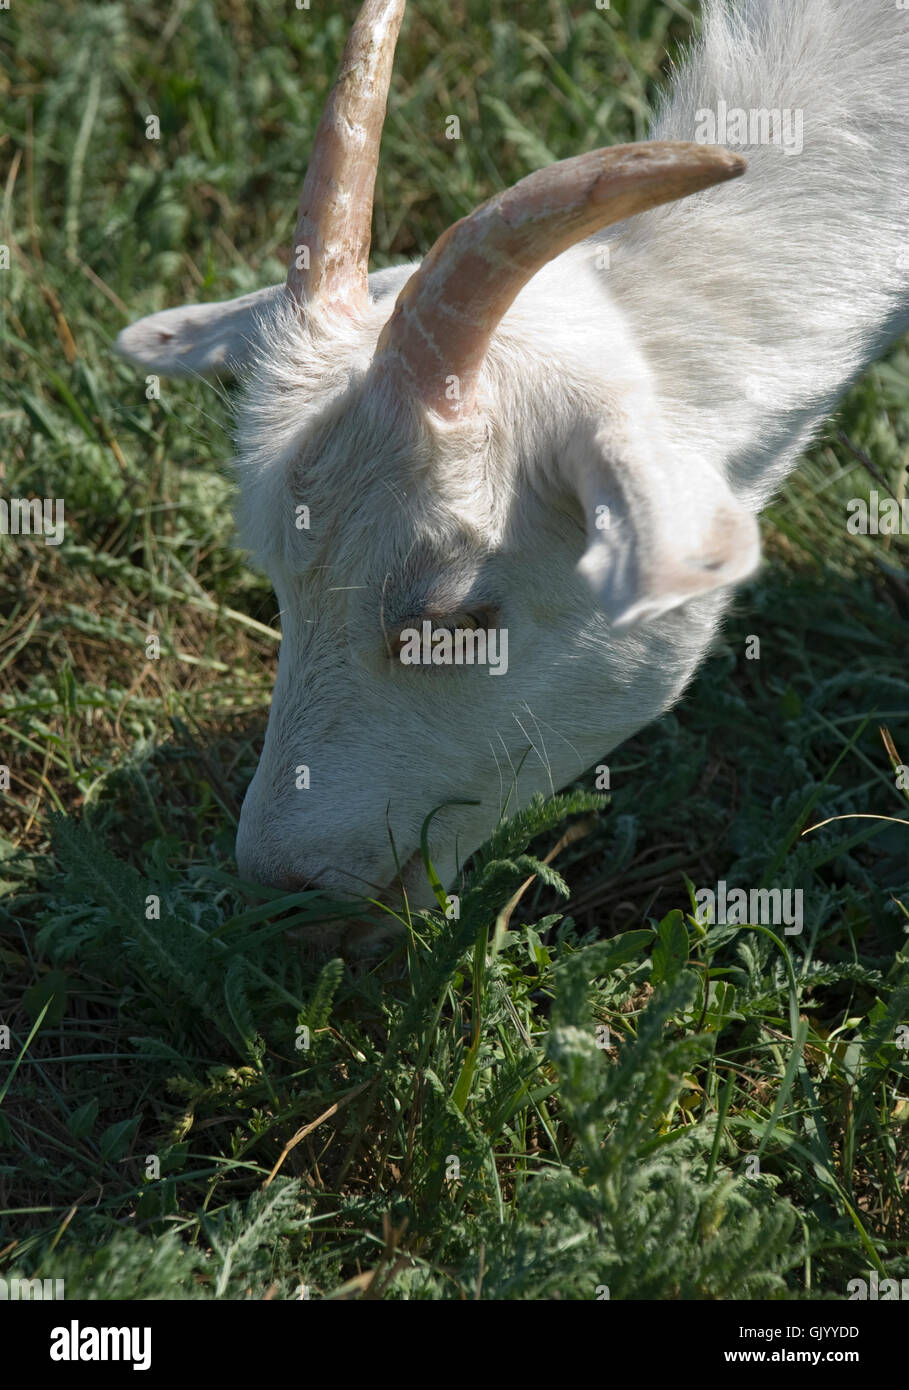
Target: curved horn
<point>447,312</point>
<point>334,218</point>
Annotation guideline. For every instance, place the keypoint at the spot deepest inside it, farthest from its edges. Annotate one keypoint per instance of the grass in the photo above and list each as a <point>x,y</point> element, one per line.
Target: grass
<point>583,1090</point>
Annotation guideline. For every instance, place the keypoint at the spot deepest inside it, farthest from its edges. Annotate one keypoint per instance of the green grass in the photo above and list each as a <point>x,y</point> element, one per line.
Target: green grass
<point>460,1124</point>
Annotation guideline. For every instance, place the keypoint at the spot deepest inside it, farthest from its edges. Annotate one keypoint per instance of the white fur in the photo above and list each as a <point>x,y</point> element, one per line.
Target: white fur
<point>675,388</point>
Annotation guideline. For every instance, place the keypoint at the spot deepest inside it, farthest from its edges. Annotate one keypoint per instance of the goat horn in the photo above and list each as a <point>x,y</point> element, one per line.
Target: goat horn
<point>334,218</point>
<point>446,314</point>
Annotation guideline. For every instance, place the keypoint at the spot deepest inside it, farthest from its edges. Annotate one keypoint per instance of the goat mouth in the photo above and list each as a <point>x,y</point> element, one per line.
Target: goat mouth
<point>357,936</point>
<point>365,929</point>
<point>408,882</point>
<point>415,882</point>
<point>409,879</point>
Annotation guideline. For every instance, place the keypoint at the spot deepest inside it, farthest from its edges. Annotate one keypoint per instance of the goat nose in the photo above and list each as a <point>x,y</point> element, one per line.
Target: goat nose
<point>293,883</point>
<point>257,865</point>
<point>255,870</point>
<point>252,864</point>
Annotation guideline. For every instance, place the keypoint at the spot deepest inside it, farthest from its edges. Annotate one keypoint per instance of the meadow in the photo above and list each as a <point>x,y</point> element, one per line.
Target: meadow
<point>576,1085</point>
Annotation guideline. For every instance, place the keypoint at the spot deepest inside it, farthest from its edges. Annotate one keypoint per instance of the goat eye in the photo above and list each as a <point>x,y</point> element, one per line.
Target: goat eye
<point>471,618</point>
<point>483,617</point>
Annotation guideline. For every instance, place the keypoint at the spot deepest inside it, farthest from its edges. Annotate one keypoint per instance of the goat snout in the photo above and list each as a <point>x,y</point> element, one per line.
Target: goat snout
<point>296,865</point>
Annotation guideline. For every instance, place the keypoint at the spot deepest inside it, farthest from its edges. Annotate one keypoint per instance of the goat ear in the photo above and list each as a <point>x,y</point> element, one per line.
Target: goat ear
<point>662,529</point>
<point>198,339</point>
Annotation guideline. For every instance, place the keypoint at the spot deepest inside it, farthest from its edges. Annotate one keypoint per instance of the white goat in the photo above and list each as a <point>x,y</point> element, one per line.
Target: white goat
<point>455,427</point>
